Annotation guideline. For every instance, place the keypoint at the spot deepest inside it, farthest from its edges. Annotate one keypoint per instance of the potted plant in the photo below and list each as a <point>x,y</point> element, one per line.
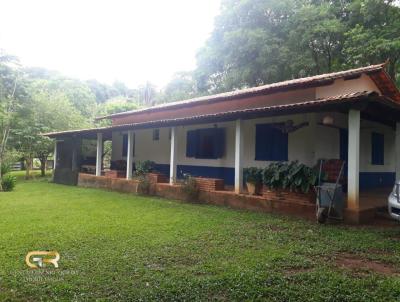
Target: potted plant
<point>253,178</point>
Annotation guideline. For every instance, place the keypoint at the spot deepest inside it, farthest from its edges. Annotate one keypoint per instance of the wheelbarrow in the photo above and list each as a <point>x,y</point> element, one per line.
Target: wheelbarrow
<point>330,198</point>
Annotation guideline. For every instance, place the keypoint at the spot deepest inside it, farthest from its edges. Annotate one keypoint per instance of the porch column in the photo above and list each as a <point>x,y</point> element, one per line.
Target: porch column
<point>129,156</point>
<point>397,150</point>
<point>74,160</point>
<point>239,157</point>
<point>55,156</point>
<point>174,155</point>
<point>99,154</point>
<point>354,160</point>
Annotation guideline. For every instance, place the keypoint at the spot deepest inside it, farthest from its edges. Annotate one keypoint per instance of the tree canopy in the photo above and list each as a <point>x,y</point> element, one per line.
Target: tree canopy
<point>257,42</point>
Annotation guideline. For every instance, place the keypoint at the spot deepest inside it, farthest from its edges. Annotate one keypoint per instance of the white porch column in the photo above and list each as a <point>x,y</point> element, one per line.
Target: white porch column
<point>174,155</point>
<point>129,156</point>
<point>55,156</point>
<point>99,154</point>
<point>239,157</point>
<point>354,160</point>
<point>397,155</point>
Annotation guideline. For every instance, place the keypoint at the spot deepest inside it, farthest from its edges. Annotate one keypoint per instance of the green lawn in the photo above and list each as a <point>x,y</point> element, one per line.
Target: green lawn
<point>123,247</point>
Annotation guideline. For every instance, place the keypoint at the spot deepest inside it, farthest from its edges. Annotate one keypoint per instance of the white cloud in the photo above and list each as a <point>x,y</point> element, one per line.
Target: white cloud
<point>132,41</point>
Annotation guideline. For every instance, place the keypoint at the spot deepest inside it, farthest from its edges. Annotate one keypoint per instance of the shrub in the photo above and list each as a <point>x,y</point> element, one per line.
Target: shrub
<point>143,185</point>
<point>292,175</point>
<point>253,175</point>
<point>144,167</point>
<point>8,182</point>
<point>190,187</point>
<point>5,168</point>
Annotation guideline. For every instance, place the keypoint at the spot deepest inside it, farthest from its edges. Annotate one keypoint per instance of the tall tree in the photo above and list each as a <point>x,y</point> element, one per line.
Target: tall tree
<point>256,42</point>
<point>147,94</point>
<point>182,86</point>
<point>12,97</point>
<point>374,35</point>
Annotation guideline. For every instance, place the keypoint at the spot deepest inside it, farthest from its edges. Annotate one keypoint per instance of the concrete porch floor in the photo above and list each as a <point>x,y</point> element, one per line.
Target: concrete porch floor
<point>374,198</point>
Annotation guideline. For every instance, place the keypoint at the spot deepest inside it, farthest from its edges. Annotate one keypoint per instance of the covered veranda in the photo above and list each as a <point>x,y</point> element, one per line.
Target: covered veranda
<point>357,107</point>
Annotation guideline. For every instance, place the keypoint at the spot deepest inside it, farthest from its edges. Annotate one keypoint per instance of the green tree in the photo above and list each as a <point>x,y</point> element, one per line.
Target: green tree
<point>256,42</point>
<point>41,116</point>
<point>374,35</point>
<point>182,86</point>
<point>12,99</point>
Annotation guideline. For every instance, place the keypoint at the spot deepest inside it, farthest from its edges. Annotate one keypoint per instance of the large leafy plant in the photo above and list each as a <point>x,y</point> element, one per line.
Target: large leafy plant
<point>8,182</point>
<point>292,175</point>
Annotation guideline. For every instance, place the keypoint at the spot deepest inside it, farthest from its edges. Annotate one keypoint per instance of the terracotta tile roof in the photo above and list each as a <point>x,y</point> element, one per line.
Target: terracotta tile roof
<point>230,115</point>
<point>382,80</point>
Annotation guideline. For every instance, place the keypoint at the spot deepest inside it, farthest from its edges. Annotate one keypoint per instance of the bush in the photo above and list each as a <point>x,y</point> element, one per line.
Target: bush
<point>8,182</point>
<point>144,167</point>
<point>143,185</point>
<point>5,168</point>
<point>190,187</point>
<point>292,175</point>
<point>253,175</point>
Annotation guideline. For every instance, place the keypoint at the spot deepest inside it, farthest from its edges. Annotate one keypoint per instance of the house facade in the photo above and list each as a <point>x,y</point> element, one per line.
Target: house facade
<point>353,116</point>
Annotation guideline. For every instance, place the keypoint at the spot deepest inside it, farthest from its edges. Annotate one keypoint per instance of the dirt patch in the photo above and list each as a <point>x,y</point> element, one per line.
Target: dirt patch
<point>357,264</point>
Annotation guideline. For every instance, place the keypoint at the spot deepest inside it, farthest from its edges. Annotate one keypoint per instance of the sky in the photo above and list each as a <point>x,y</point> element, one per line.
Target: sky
<point>108,40</point>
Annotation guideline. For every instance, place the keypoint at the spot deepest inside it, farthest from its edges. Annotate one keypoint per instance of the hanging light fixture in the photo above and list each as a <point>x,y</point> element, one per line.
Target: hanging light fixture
<point>328,120</point>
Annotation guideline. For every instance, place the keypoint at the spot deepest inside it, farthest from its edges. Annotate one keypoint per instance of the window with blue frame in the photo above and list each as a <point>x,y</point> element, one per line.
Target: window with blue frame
<point>271,143</point>
<point>378,149</point>
<point>205,143</point>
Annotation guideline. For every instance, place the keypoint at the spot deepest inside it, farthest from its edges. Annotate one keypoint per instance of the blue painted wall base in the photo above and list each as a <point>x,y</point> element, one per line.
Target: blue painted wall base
<point>368,180</point>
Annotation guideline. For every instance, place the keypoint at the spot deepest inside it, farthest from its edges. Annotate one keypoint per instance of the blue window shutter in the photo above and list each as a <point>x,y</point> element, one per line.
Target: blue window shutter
<point>219,142</point>
<point>125,145</point>
<point>191,143</point>
<point>280,145</point>
<point>377,148</point>
<point>261,146</point>
<point>271,143</point>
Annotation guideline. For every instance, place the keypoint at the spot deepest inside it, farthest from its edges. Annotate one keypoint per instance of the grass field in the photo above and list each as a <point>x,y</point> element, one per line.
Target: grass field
<point>122,247</point>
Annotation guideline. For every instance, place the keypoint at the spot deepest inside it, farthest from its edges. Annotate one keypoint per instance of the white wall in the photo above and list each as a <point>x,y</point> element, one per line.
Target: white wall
<point>367,127</point>
<point>307,144</point>
<point>145,148</point>
<point>301,143</point>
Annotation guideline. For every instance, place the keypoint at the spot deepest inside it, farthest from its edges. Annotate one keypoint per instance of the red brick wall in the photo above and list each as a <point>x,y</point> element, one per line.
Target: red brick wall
<point>289,196</point>
<point>102,182</point>
<point>209,184</point>
<point>223,198</point>
<point>155,178</point>
<point>115,174</point>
